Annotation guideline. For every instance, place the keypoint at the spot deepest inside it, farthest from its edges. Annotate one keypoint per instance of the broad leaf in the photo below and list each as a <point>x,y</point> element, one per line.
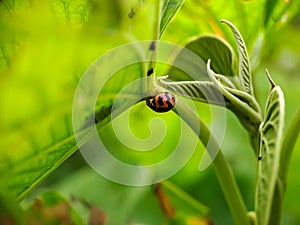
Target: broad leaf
<point>271,133</point>
<point>39,138</point>
<point>52,141</point>
<point>169,9</point>
<point>205,47</point>
<point>214,48</point>
<point>244,62</point>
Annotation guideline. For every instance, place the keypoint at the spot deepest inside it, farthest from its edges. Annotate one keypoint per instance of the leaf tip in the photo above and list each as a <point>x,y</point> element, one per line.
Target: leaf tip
<point>225,21</point>
<point>270,79</point>
<point>208,66</point>
<point>163,77</point>
<point>208,63</point>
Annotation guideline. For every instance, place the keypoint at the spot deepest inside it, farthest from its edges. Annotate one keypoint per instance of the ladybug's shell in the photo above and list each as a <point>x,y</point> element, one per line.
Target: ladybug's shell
<point>162,102</point>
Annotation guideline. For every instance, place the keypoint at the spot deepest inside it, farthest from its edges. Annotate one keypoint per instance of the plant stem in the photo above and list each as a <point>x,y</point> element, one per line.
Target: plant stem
<point>289,140</point>
<point>223,171</point>
<point>200,207</point>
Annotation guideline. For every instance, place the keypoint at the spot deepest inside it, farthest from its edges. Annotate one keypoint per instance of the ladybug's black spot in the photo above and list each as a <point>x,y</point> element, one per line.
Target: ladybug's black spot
<point>160,100</point>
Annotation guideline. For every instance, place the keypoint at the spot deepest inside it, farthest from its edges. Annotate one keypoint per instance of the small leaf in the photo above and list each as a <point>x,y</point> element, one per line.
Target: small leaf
<point>205,47</point>
<point>46,142</point>
<point>269,154</point>
<point>203,91</point>
<point>214,48</point>
<point>215,92</point>
<point>241,103</point>
<point>244,63</point>
<point>169,9</point>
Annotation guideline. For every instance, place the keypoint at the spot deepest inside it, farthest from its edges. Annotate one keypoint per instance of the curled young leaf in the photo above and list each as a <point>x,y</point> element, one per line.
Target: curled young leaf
<point>203,91</point>
<point>269,154</point>
<point>244,62</point>
<point>242,104</point>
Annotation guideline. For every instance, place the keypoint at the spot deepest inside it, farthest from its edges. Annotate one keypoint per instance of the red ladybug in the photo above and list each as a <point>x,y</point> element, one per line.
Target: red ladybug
<point>162,102</point>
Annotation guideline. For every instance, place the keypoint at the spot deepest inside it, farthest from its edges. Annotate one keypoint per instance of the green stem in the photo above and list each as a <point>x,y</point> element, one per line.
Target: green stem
<point>290,138</point>
<point>152,56</point>
<point>203,209</point>
<point>223,171</point>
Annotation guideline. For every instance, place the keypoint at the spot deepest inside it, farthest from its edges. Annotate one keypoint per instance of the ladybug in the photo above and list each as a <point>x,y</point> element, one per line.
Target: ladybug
<point>162,102</point>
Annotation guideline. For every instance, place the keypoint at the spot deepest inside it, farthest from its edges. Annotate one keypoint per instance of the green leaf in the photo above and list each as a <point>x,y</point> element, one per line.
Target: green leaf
<point>52,141</point>
<point>241,103</point>
<point>169,9</point>
<point>205,47</point>
<point>244,63</point>
<point>41,134</point>
<point>40,153</point>
<point>76,12</point>
<point>40,148</point>
<point>271,133</point>
<point>203,91</point>
<point>214,48</point>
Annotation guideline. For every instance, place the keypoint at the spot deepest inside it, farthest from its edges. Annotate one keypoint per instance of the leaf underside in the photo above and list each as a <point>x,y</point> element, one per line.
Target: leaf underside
<point>35,150</point>
<point>269,154</point>
<point>196,53</point>
<point>244,62</point>
<point>203,91</point>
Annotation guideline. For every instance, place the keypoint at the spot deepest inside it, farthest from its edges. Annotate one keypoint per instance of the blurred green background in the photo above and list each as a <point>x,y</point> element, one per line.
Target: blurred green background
<point>45,47</point>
